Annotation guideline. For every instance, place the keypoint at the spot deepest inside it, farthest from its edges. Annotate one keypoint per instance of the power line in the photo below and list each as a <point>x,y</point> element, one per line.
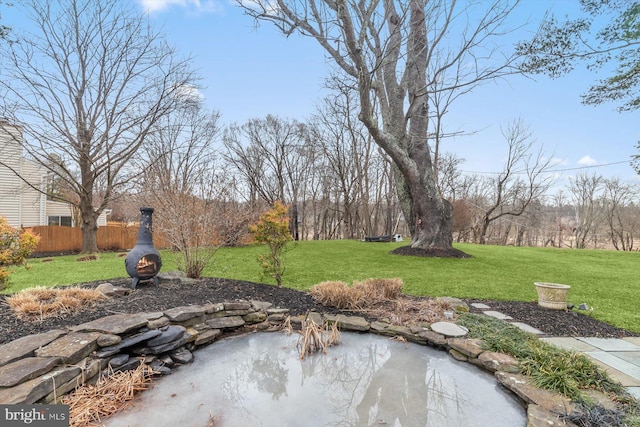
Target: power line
<point>554,170</point>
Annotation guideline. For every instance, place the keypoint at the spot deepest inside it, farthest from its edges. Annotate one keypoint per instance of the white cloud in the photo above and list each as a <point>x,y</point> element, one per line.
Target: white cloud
<point>587,161</point>
<point>188,93</point>
<point>196,6</point>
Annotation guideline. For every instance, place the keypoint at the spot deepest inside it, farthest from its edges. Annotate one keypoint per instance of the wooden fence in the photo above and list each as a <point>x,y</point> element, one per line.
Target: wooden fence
<point>69,239</point>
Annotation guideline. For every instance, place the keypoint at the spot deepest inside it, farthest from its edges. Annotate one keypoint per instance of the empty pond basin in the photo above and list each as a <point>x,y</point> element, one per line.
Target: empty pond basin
<point>367,380</point>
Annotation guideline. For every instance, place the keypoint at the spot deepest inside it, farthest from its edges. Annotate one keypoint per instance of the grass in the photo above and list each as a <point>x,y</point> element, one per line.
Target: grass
<point>606,280</point>
<point>567,372</point>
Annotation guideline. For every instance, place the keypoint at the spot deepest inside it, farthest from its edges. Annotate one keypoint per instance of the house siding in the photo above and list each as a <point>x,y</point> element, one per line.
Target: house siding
<point>10,184</point>
<point>21,203</point>
<point>32,198</point>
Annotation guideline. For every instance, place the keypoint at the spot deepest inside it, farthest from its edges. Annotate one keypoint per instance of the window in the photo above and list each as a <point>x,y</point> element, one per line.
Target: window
<point>59,220</point>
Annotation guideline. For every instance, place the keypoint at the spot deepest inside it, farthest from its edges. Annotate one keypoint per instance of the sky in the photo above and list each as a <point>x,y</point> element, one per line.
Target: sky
<point>249,72</point>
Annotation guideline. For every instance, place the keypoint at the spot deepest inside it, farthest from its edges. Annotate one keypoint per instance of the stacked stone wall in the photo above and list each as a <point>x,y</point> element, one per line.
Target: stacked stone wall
<point>42,368</point>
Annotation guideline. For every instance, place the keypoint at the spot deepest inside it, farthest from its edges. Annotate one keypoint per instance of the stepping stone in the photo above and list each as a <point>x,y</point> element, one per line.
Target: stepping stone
<point>480,306</point>
<point>527,328</point>
<point>497,315</point>
<point>449,329</point>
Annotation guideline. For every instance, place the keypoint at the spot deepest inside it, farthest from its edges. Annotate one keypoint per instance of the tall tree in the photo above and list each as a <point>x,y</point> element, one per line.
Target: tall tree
<point>522,180</point>
<point>88,85</point>
<point>585,193</point>
<point>561,44</point>
<point>621,213</point>
<point>274,157</point>
<point>190,193</point>
<point>392,53</point>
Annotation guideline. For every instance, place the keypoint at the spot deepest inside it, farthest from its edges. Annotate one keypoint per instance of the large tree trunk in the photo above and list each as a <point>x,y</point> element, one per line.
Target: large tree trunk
<point>425,210</point>
<point>89,228</point>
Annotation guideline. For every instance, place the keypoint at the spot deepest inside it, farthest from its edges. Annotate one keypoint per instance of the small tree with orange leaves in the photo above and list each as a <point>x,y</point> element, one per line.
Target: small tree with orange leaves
<point>15,247</point>
<point>272,229</point>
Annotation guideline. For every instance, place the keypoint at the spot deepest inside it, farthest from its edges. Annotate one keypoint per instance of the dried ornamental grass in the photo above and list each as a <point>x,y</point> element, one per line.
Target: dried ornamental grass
<point>314,338</point>
<point>334,293</point>
<point>89,404</point>
<point>381,298</point>
<point>380,289</point>
<point>362,294</point>
<point>40,302</point>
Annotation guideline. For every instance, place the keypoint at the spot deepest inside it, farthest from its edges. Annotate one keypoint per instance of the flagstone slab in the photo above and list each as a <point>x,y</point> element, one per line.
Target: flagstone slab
<point>225,322</point>
<point>349,323</point>
<point>116,324</point>
<point>629,356</point>
<point>480,306</point>
<point>449,329</point>
<point>550,401</point>
<point>619,372</point>
<point>635,391</point>
<point>25,346</point>
<point>497,315</point>
<point>569,343</point>
<point>527,328</point>
<point>468,347</point>
<point>611,344</point>
<point>616,363</point>
<point>26,369</point>
<point>128,342</point>
<point>180,314</point>
<point>71,348</point>
<point>33,390</point>
<point>634,340</point>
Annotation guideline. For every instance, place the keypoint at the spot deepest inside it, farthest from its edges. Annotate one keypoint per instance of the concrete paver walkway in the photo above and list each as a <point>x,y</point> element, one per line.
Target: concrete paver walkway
<point>620,357</point>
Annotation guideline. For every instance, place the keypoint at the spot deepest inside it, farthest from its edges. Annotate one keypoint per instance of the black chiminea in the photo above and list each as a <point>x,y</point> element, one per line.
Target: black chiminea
<point>144,262</point>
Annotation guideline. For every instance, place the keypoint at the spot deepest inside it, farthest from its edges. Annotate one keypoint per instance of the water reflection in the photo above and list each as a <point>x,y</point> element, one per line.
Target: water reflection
<point>365,381</point>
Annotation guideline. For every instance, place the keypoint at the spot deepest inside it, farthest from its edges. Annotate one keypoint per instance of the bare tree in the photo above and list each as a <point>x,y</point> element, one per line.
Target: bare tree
<point>621,213</point>
<point>352,160</point>
<point>392,52</point>
<point>88,86</point>
<point>192,196</point>
<point>585,193</point>
<point>273,157</point>
<point>522,180</point>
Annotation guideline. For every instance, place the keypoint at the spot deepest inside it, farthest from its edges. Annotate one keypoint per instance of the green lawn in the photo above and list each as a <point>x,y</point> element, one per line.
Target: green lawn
<point>607,280</point>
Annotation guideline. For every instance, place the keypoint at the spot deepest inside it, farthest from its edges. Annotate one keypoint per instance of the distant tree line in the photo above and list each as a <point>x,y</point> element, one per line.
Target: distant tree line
<point>209,182</point>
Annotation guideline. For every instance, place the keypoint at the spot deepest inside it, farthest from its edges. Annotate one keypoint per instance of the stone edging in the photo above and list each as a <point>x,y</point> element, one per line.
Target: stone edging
<point>42,368</point>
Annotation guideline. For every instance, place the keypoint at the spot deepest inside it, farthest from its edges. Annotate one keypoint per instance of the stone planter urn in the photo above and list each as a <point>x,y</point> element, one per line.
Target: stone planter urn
<point>552,295</point>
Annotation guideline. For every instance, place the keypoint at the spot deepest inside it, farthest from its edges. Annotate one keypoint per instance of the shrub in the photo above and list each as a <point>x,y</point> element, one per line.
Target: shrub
<point>272,229</point>
<point>15,246</point>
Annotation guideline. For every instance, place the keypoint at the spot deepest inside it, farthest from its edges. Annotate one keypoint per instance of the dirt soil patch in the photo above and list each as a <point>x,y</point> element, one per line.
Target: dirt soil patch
<point>149,298</point>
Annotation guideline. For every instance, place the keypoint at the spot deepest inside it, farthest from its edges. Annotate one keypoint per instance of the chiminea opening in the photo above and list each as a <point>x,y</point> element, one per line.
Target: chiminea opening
<point>143,261</point>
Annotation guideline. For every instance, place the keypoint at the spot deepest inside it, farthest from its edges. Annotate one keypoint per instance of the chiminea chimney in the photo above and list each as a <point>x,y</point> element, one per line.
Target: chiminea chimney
<point>144,262</point>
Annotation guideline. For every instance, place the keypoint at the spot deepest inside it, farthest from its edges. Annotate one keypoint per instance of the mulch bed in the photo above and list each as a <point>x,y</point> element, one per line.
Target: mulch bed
<point>149,298</point>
